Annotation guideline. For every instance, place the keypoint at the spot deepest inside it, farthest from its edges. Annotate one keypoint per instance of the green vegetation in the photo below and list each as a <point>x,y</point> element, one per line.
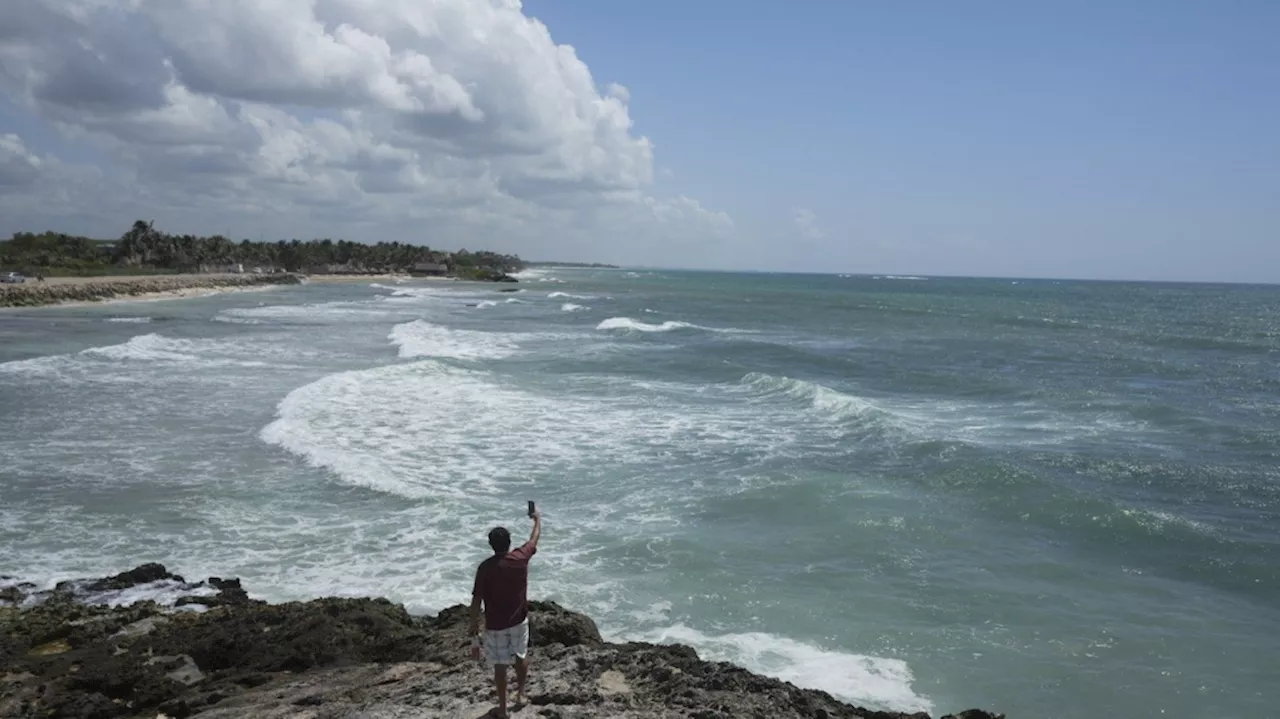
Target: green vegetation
<point>589,265</point>
<point>145,250</point>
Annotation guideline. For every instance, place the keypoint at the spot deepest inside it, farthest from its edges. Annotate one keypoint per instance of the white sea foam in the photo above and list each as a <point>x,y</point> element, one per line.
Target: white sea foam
<point>319,314</point>
<point>537,275</point>
<point>827,401</point>
<point>233,320</point>
<point>529,274</point>
<point>423,339</point>
<point>149,347</point>
<point>463,443</point>
<point>1158,521</point>
<point>486,303</point>
<point>876,682</point>
<point>514,301</point>
<point>129,361</point>
<point>567,296</point>
<point>165,592</point>
<point>158,348</point>
<point>130,320</point>
<point>633,325</point>
<point>369,425</point>
<point>571,307</point>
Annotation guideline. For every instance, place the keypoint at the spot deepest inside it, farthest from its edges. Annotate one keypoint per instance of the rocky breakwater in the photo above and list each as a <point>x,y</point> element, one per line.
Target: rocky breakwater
<point>60,290</point>
<point>147,643</point>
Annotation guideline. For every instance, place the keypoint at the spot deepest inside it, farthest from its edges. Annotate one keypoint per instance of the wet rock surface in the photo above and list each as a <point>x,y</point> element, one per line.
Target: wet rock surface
<point>222,655</point>
<point>32,293</point>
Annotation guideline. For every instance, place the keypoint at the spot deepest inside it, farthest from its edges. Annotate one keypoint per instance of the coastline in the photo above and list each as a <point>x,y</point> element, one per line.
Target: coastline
<point>148,643</point>
<point>73,291</point>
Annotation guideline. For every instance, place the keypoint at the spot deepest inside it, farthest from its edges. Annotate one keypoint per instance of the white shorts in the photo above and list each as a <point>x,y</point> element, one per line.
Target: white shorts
<point>504,646</point>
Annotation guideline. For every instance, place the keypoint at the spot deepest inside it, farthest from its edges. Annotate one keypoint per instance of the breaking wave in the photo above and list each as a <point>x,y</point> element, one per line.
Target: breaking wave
<point>826,401</point>
<point>423,339</point>
<point>879,682</point>
<point>633,325</point>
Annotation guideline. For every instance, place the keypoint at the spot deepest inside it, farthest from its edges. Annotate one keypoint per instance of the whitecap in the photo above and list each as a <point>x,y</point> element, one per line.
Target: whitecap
<point>876,682</point>
<point>423,339</point>
<point>140,350</point>
<point>830,402</point>
<point>368,426</point>
<point>571,307</point>
<point>130,320</point>
<point>320,313</point>
<point>633,325</point>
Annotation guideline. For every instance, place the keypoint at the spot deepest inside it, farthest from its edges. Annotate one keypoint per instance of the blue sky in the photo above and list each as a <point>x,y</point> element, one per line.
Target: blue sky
<point>1134,140</point>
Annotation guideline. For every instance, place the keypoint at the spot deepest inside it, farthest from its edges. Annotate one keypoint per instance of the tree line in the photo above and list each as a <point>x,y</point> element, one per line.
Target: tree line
<point>144,249</point>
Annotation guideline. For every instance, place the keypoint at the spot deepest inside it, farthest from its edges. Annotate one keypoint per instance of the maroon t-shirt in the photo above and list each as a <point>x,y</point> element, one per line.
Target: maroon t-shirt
<point>502,582</point>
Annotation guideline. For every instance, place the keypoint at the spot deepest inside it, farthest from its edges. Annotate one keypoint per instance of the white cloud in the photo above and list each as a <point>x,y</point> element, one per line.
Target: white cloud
<point>445,121</point>
<point>805,223</point>
<point>18,165</point>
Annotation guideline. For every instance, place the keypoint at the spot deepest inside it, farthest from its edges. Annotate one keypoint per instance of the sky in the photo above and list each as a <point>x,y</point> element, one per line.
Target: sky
<point>1129,140</point>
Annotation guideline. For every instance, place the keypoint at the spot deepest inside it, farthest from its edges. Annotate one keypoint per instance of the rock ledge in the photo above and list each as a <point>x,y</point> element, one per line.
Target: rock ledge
<point>205,649</point>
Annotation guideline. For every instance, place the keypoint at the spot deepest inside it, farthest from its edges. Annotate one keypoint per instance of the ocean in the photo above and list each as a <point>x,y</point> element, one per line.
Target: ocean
<point>1049,498</point>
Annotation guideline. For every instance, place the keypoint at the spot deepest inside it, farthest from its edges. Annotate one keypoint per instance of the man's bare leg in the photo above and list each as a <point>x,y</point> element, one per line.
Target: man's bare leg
<point>522,678</point>
<point>500,679</point>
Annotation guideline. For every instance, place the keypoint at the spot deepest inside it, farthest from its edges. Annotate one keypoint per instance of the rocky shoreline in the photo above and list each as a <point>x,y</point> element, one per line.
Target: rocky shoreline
<point>32,293</point>
<point>104,648</point>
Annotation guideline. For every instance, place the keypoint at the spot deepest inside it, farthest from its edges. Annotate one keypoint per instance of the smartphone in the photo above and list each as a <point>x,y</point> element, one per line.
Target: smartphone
<point>531,508</point>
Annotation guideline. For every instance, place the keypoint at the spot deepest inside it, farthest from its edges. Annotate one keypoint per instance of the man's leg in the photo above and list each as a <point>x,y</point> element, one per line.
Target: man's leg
<point>522,677</point>
<point>500,679</point>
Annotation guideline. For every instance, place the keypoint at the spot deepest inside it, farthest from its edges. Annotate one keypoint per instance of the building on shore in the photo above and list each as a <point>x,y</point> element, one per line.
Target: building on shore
<point>429,269</point>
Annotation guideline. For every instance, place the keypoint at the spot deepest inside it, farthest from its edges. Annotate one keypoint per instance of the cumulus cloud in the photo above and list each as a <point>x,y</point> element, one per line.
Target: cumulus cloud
<point>18,165</point>
<point>442,121</point>
<point>805,223</point>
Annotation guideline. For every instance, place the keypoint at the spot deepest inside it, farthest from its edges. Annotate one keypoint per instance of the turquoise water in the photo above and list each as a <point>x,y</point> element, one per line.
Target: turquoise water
<point>1054,499</point>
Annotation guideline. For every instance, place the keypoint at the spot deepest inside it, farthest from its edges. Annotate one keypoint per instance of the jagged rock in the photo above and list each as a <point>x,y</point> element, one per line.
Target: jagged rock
<point>13,592</point>
<point>144,574</point>
<point>553,624</point>
<point>347,657</point>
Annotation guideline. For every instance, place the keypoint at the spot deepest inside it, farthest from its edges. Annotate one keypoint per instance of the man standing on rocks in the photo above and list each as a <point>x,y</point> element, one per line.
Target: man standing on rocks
<point>502,587</point>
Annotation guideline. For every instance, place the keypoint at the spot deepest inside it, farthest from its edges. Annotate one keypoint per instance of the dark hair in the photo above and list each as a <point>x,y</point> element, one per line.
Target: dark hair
<point>500,540</point>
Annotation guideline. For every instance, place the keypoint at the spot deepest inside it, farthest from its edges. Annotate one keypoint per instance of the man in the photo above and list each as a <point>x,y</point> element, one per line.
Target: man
<point>501,585</point>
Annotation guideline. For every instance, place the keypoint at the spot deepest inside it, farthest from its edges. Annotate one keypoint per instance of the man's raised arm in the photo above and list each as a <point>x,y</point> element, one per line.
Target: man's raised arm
<point>537,529</point>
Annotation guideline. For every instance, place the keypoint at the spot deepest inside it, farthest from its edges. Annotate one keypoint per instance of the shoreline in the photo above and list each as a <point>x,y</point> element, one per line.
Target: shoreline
<point>82,291</point>
<point>147,642</point>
